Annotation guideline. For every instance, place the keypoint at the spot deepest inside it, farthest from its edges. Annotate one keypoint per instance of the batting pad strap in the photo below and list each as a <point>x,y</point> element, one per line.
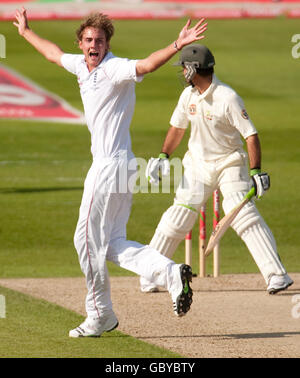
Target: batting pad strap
<point>187,207</point>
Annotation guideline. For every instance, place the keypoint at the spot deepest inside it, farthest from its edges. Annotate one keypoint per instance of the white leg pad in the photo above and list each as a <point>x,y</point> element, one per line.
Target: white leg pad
<point>175,223</point>
<point>261,243</point>
<point>247,217</point>
<point>258,237</point>
<point>163,244</point>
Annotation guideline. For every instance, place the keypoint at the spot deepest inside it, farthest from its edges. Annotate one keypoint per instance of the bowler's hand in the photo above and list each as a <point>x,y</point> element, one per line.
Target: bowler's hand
<point>187,36</point>
<point>22,21</point>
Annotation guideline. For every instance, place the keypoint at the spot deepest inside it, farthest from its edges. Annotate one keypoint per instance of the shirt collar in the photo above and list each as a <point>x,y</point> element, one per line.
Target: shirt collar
<point>210,89</point>
<point>108,56</point>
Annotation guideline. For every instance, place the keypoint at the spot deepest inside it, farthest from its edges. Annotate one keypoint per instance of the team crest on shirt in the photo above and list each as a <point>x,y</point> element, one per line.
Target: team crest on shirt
<point>208,115</point>
<point>245,114</point>
<point>192,109</point>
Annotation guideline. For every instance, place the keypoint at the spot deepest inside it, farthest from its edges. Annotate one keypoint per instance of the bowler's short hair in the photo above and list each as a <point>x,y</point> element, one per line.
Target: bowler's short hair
<point>97,21</point>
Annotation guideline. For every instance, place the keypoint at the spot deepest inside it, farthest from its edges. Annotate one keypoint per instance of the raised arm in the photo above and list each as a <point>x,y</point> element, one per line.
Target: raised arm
<point>160,57</point>
<point>48,49</point>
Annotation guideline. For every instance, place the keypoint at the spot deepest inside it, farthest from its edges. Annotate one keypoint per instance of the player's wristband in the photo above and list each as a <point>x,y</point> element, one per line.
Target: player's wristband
<point>163,155</point>
<point>175,46</point>
<point>255,171</point>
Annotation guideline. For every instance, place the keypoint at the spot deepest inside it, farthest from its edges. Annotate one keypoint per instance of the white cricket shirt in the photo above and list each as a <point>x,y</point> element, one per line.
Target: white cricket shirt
<point>218,119</point>
<point>108,96</point>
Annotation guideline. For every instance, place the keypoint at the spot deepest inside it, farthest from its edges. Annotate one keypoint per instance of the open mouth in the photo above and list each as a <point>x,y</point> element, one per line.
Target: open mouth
<point>93,54</point>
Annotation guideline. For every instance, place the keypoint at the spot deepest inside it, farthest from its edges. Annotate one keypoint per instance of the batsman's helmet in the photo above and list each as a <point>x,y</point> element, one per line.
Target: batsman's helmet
<point>197,55</point>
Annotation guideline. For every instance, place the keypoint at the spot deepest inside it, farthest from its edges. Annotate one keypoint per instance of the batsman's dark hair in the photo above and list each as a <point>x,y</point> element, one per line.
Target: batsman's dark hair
<point>205,71</point>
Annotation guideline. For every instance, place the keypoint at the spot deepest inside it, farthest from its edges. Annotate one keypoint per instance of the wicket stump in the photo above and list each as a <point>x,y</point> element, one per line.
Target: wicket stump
<point>202,239</point>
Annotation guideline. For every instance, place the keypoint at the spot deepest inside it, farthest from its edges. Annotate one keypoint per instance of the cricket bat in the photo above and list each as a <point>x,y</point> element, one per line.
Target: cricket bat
<point>225,222</point>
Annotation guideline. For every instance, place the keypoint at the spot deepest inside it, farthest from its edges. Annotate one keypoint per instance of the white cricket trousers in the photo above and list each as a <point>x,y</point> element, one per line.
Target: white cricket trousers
<point>101,235</point>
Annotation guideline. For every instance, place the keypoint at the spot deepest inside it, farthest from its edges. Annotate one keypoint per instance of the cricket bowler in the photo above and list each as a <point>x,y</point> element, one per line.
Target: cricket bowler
<point>107,88</point>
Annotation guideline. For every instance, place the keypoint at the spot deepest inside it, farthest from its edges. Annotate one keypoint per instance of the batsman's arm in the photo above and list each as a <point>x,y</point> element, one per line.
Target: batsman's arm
<point>47,48</point>
<point>260,181</point>
<point>173,138</point>
<point>254,151</point>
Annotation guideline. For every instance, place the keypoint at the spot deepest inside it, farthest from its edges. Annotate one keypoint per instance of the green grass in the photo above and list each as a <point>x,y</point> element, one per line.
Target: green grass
<point>43,165</point>
<point>41,331</point>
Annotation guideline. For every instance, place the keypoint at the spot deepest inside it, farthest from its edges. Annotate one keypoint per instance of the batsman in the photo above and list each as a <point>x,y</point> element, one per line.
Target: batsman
<point>215,159</point>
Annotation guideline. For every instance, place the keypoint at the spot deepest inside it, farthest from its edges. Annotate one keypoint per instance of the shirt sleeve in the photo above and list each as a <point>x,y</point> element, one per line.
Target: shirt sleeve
<point>69,62</point>
<point>239,118</point>
<point>179,117</point>
<point>139,78</point>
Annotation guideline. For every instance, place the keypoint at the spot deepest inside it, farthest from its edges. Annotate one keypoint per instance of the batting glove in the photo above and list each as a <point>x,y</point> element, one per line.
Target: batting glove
<point>260,181</point>
<point>157,166</point>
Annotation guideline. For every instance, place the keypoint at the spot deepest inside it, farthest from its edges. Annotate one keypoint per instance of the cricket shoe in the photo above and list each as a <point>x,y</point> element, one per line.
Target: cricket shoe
<point>95,327</point>
<point>148,286</point>
<point>278,283</point>
<point>180,289</point>
<point>149,289</point>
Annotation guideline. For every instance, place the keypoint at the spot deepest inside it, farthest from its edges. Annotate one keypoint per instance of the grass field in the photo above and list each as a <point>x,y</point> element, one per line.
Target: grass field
<point>43,165</point>
<point>40,332</point>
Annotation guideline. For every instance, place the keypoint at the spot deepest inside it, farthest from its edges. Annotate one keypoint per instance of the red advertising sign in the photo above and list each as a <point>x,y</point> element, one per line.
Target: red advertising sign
<point>20,98</point>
